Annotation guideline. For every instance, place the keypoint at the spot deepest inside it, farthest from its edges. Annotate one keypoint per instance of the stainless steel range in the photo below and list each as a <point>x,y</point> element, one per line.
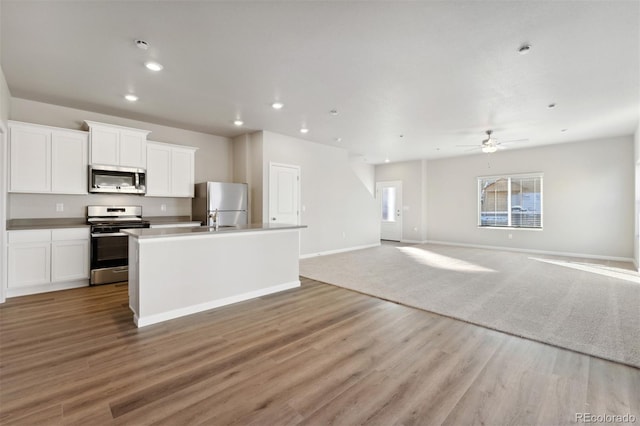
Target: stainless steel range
<point>109,245</point>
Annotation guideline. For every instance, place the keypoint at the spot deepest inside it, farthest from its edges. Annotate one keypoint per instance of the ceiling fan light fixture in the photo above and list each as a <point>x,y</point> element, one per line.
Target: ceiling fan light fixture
<point>153,66</point>
<point>489,149</point>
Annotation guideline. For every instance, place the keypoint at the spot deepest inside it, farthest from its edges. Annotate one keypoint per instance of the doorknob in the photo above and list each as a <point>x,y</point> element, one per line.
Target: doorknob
<point>273,218</point>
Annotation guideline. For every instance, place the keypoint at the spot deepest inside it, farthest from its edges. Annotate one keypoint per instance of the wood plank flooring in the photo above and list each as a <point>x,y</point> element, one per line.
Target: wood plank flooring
<point>315,355</point>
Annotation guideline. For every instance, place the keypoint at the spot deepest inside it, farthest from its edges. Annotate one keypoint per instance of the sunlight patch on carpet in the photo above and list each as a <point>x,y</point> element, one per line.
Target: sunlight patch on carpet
<point>439,261</point>
<point>594,268</point>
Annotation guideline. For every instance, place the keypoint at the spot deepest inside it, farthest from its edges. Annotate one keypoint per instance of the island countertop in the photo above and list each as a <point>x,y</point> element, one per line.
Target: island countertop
<point>144,233</point>
<point>175,272</point>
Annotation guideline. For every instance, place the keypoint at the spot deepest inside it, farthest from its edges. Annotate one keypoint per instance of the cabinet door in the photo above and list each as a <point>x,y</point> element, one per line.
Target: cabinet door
<point>105,146</point>
<point>29,264</point>
<point>69,260</point>
<point>182,172</point>
<point>69,163</point>
<point>158,170</point>
<point>29,159</point>
<point>133,149</point>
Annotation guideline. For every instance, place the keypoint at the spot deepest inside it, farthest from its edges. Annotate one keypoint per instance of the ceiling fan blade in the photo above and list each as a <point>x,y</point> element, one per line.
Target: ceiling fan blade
<point>462,146</point>
<point>515,141</point>
<point>473,149</point>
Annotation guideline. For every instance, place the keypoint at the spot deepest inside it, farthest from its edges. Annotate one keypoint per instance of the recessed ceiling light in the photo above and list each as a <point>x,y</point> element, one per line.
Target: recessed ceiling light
<point>131,98</point>
<point>142,44</point>
<point>551,106</point>
<point>386,160</point>
<point>564,130</point>
<point>524,49</point>
<point>153,66</point>
<point>304,130</point>
<point>238,122</point>
<point>338,139</point>
<point>277,105</point>
<point>333,112</point>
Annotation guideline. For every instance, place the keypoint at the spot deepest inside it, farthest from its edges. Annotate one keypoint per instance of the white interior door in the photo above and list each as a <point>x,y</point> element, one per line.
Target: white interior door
<point>284,194</point>
<point>389,195</point>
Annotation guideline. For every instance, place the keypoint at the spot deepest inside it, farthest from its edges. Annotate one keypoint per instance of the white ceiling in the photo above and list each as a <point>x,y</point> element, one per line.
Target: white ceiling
<point>439,73</point>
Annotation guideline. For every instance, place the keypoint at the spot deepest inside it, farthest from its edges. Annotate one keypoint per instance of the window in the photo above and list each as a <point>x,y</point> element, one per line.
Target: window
<point>389,204</point>
<point>510,201</point>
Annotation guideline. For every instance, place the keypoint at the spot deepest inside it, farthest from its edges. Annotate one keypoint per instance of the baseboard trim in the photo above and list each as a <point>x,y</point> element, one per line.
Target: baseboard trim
<point>176,313</point>
<point>552,253</point>
<point>45,288</point>
<point>413,241</point>
<point>325,253</point>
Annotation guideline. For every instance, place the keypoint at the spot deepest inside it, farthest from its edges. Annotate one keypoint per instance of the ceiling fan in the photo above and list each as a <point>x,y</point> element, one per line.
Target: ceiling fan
<point>491,144</point>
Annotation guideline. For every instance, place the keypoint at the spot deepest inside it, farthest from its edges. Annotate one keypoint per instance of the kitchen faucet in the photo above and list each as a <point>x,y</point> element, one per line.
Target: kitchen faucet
<point>213,219</point>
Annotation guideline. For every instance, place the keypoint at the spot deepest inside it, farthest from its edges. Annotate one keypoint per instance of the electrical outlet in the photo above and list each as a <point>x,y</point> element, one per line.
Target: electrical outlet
<point>163,207</point>
<point>511,236</point>
<point>344,235</point>
<point>415,229</point>
<point>59,207</point>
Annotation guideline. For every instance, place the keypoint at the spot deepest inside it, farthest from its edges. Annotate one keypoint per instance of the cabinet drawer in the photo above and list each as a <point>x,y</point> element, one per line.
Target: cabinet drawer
<point>30,236</point>
<point>68,234</point>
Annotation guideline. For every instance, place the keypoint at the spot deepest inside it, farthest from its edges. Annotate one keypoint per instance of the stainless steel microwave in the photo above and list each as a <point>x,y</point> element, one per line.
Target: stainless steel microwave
<point>117,180</point>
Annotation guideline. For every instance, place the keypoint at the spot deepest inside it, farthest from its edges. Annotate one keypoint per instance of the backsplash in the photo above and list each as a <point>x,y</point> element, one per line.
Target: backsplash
<point>22,206</point>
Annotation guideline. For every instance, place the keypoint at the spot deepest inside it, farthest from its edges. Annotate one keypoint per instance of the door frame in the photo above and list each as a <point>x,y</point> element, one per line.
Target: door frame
<point>298,189</point>
<point>397,183</point>
<point>4,198</point>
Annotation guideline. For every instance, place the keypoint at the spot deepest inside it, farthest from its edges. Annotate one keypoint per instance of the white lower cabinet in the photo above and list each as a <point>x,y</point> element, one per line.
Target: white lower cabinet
<point>29,264</point>
<point>69,254</point>
<point>47,260</point>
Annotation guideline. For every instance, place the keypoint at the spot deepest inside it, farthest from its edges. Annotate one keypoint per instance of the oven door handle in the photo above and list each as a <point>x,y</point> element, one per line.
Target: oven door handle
<point>109,234</point>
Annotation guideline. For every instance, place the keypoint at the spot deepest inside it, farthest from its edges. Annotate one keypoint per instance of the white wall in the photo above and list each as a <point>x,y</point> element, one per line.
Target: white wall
<point>588,198</point>
<point>365,172</point>
<point>213,162</point>
<point>338,209</point>
<point>413,186</point>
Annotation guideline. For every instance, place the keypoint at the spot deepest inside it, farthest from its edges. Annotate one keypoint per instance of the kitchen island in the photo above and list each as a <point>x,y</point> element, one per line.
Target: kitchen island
<point>175,272</point>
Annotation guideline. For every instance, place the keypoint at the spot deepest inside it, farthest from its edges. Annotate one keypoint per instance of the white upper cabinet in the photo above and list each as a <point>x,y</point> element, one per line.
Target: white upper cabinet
<point>170,170</point>
<point>45,159</point>
<point>117,146</point>
<point>158,169</point>
<point>69,162</point>
<point>105,145</point>
<point>182,172</point>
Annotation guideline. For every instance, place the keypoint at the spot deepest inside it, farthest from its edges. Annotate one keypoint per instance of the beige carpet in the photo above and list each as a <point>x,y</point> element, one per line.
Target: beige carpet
<point>588,306</point>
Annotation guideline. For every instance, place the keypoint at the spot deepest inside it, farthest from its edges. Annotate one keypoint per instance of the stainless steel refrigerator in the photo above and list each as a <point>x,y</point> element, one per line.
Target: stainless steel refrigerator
<point>229,200</point>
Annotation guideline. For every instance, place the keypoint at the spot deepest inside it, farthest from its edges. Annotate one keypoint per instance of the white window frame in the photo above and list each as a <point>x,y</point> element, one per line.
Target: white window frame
<point>510,176</point>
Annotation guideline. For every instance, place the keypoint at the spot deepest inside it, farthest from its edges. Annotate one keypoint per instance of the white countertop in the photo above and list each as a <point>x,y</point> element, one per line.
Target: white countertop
<point>145,233</point>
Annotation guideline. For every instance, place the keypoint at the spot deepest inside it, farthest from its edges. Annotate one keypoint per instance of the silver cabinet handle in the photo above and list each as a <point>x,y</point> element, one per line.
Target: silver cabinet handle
<point>110,234</point>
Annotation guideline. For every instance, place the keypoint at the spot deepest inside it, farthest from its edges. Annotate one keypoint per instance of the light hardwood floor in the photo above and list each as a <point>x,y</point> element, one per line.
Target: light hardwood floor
<point>314,355</point>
